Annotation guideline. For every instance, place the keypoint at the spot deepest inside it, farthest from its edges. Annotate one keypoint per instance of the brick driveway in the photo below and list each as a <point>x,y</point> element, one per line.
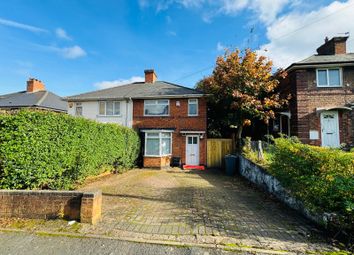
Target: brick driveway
<point>199,207</point>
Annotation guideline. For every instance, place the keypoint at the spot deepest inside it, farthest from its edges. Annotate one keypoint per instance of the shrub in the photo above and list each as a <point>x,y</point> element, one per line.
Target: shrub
<point>254,155</point>
<point>322,178</point>
<point>49,150</point>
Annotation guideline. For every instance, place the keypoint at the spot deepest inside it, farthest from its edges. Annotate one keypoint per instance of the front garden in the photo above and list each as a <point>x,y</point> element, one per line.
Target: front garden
<point>45,150</point>
<point>322,178</point>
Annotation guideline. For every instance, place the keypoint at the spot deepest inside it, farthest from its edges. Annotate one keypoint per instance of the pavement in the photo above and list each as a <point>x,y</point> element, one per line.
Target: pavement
<point>190,208</point>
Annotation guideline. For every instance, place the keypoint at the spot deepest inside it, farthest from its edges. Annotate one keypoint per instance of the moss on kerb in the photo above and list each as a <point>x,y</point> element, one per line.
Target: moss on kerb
<point>41,193</point>
<point>60,235</point>
<point>51,192</point>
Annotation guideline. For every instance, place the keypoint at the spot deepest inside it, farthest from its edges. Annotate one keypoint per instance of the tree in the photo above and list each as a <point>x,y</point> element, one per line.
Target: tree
<point>242,88</point>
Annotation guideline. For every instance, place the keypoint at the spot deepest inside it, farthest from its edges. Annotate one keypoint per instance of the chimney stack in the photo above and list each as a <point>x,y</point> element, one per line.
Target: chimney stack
<point>34,85</point>
<point>150,76</point>
<point>337,45</point>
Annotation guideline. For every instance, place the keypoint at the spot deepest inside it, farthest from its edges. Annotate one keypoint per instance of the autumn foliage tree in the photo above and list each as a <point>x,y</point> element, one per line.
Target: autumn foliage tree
<point>242,88</point>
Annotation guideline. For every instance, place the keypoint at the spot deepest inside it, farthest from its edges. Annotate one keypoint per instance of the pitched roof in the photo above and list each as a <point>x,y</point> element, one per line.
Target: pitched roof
<point>41,99</point>
<point>325,59</point>
<point>139,90</point>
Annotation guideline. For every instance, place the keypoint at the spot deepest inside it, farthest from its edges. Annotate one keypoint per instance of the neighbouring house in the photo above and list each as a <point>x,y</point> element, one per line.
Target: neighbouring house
<point>34,97</point>
<point>322,88</point>
<point>170,118</point>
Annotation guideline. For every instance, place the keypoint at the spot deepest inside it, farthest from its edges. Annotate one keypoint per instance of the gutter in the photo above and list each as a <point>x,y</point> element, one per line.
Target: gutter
<point>73,99</point>
<point>318,64</point>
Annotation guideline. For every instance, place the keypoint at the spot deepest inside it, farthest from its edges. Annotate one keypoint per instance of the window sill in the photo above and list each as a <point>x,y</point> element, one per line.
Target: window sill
<point>329,87</point>
<point>108,116</point>
<point>156,115</point>
<point>193,115</point>
<point>155,156</point>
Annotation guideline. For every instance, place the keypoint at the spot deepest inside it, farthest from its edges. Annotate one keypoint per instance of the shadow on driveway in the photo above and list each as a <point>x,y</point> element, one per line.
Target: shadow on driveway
<point>200,206</point>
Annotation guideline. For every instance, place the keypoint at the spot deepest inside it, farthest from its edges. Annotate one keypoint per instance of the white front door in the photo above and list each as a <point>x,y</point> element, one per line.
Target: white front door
<point>330,129</point>
<point>192,150</point>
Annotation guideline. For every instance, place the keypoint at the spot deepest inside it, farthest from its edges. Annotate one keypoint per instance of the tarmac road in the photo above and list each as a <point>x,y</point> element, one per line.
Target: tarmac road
<point>12,243</point>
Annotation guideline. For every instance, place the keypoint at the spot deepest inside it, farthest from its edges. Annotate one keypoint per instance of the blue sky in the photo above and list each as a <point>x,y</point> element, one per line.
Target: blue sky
<point>78,46</point>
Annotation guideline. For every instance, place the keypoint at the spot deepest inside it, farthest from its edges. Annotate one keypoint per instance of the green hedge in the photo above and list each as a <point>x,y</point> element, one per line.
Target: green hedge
<point>40,150</point>
<point>322,178</point>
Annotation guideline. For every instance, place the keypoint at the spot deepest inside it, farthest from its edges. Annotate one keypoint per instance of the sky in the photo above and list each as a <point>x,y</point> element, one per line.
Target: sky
<point>76,46</point>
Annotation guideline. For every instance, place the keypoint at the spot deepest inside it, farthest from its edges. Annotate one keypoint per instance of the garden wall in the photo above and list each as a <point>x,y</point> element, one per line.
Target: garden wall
<point>45,204</point>
<point>262,179</point>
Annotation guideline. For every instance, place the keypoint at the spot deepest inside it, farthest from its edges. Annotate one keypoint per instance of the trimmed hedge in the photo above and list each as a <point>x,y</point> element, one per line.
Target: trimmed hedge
<point>322,178</point>
<point>44,150</point>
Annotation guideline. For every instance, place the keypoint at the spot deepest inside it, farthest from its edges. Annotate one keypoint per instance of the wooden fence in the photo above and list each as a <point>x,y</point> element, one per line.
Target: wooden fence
<point>216,150</point>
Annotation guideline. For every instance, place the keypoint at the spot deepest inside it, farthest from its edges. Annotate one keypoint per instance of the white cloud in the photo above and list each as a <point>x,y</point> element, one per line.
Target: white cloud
<point>191,3</point>
<point>265,10</point>
<point>232,6</point>
<point>62,34</point>
<point>220,47</point>
<point>72,52</point>
<point>268,9</point>
<point>119,82</point>
<point>65,52</point>
<point>10,23</point>
<point>297,35</point>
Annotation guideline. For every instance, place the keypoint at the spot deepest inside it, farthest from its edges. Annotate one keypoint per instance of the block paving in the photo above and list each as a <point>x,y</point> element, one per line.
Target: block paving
<point>200,207</point>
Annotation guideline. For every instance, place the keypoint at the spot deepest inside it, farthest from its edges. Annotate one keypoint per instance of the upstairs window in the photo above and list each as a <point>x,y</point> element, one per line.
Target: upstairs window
<point>109,108</point>
<point>192,107</point>
<point>156,107</point>
<point>330,77</point>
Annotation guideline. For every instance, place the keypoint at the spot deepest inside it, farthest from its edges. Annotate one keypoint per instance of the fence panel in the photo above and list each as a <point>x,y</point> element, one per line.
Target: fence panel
<point>217,149</point>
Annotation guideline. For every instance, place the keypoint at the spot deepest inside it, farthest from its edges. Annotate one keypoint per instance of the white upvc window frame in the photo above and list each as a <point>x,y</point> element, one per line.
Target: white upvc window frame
<point>197,106</point>
<point>327,72</point>
<point>105,108</point>
<point>160,143</point>
<point>148,102</point>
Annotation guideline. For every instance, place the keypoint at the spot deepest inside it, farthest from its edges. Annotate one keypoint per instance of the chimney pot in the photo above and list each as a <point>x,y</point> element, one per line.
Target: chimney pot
<point>150,76</point>
<point>34,85</point>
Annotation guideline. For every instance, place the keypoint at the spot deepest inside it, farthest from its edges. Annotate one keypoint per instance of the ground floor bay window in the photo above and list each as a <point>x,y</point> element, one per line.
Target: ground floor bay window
<point>157,148</point>
<point>158,144</point>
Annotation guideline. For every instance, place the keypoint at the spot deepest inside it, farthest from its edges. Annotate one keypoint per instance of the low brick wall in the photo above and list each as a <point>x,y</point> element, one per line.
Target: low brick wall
<point>157,162</point>
<point>46,204</point>
<point>257,175</point>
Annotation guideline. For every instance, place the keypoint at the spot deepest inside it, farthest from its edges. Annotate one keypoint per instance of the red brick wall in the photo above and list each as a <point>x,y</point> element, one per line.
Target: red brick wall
<point>34,85</point>
<point>179,120</point>
<point>46,204</point>
<point>159,162</point>
<point>306,97</point>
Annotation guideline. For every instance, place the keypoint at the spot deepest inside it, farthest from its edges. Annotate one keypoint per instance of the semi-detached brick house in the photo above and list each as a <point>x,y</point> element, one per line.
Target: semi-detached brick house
<point>171,119</point>
<point>322,88</point>
<point>36,96</point>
